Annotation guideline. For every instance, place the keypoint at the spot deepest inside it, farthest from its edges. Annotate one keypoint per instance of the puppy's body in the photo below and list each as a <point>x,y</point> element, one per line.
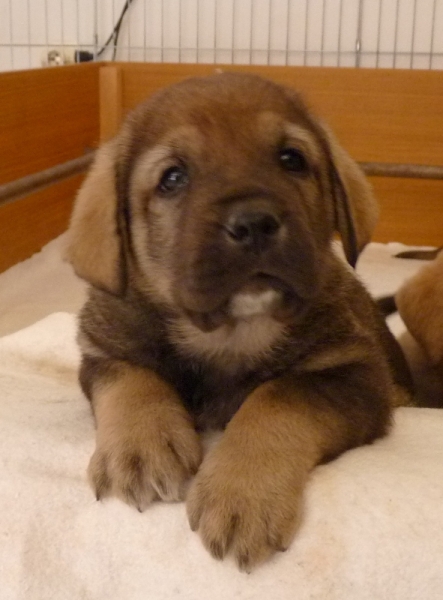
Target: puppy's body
<point>217,301</point>
<point>214,371</point>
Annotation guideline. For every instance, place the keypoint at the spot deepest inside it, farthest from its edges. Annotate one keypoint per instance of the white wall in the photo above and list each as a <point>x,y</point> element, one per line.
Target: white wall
<point>401,33</point>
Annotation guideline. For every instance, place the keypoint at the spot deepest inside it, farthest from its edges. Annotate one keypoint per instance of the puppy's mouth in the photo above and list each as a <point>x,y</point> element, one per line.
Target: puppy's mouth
<point>260,295</point>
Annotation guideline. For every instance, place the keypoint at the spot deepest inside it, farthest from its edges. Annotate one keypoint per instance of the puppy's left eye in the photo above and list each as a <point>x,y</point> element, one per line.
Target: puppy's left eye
<point>293,160</point>
<point>173,179</point>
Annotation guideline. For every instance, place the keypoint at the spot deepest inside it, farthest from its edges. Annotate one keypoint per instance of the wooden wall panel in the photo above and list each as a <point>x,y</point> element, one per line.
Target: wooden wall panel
<point>28,224</point>
<point>411,210</point>
<point>47,116</point>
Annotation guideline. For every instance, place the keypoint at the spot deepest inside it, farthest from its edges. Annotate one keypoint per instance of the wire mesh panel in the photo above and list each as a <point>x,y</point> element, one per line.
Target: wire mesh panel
<point>31,29</point>
<point>362,33</point>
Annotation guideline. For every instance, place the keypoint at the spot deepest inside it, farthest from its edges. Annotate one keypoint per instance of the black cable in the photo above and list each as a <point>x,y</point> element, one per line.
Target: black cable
<point>115,32</point>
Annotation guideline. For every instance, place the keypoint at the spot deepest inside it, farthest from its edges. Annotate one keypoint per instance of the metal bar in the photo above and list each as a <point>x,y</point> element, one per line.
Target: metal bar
<point>32,183</point>
<point>128,36</point>
<point>96,46</point>
<point>340,19</point>
<point>179,31</point>
<point>62,27</point>
<point>397,12</point>
<point>380,10</point>
<point>323,27</point>
<point>112,24</point>
<point>313,52</point>
<point>233,32</point>
<point>414,19</point>
<point>251,17</point>
<point>78,23</point>
<point>197,33</point>
<point>162,33</point>
<point>29,34</point>
<point>358,41</point>
<point>402,170</point>
<point>11,36</point>
<point>431,51</point>
<point>144,31</point>
<point>288,21</point>
<point>215,31</point>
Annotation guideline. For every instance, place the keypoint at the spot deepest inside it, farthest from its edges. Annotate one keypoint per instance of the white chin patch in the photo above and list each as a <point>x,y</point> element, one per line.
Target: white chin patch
<point>249,304</point>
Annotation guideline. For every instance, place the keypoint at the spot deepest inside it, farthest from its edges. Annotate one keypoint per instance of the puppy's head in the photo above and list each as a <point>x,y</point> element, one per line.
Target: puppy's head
<point>219,198</point>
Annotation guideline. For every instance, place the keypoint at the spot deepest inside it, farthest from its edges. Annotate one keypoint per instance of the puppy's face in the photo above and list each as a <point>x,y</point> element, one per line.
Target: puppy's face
<point>228,194</point>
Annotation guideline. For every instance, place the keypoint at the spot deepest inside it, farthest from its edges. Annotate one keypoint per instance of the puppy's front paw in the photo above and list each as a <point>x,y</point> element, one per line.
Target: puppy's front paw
<point>139,461</point>
<point>250,509</point>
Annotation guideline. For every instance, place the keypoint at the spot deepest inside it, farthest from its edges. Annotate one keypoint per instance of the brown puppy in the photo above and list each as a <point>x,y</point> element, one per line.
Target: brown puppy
<point>205,229</point>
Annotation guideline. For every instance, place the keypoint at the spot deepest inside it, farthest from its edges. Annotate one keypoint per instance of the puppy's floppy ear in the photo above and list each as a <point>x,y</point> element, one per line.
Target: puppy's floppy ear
<point>356,209</point>
<point>94,242</point>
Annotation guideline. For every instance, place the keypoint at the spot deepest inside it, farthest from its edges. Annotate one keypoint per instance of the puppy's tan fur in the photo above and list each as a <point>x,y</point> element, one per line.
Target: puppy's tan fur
<point>196,320</point>
<point>146,445</point>
<point>420,304</point>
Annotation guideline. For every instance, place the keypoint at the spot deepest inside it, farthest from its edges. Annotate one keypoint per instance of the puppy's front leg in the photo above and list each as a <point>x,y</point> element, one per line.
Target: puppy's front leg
<point>247,495</point>
<point>147,446</point>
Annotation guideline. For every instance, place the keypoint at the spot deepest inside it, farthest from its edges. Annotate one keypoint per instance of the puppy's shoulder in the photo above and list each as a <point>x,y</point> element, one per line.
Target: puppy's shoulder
<point>126,328</point>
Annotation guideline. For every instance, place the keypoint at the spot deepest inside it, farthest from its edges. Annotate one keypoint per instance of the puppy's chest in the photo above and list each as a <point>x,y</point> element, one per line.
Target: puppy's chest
<point>213,395</point>
<point>220,368</point>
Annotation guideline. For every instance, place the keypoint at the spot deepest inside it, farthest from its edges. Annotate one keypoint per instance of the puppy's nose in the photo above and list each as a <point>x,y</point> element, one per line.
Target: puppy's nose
<point>253,229</point>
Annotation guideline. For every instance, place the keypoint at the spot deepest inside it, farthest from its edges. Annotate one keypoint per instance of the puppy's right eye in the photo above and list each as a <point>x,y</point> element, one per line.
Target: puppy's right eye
<point>173,179</point>
<point>293,160</point>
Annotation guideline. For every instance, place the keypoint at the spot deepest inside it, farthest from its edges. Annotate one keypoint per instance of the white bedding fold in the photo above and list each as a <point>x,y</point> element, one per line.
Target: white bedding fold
<point>373,526</point>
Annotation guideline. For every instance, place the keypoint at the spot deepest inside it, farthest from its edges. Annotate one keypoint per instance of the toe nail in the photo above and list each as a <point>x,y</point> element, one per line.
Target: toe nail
<point>244,563</point>
<point>217,550</point>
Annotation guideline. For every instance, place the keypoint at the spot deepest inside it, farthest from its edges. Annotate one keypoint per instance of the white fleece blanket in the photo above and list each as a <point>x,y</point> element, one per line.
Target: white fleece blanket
<point>373,525</point>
